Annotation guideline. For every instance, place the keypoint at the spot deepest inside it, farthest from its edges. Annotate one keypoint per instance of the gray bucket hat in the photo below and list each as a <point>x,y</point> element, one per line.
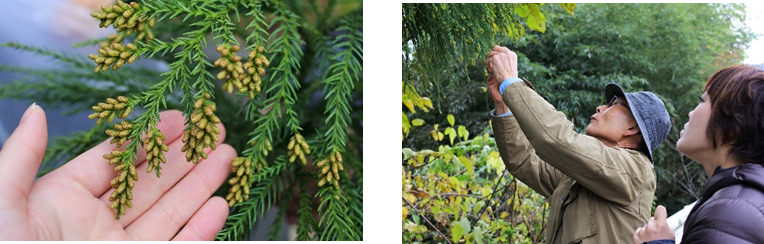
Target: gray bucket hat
<point>649,112</point>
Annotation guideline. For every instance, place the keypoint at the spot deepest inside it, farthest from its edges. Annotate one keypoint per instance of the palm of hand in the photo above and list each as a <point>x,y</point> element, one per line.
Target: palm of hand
<point>71,203</point>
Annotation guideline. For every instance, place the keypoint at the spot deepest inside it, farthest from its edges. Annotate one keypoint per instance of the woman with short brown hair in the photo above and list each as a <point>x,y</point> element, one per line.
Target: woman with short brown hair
<point>725,134</point>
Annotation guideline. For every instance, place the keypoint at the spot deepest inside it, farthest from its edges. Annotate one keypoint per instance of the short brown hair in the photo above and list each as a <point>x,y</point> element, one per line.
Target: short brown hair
<point>737,111</point>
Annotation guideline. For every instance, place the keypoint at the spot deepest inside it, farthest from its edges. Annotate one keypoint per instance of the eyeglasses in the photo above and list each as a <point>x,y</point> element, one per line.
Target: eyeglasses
<point>616,101</point>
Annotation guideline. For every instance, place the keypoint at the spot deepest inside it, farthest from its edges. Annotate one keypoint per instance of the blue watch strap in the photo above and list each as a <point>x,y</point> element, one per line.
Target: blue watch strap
<point>493,113</point>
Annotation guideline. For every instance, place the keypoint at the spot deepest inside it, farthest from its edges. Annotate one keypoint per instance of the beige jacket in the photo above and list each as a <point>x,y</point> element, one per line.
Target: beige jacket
<point>597,194</point>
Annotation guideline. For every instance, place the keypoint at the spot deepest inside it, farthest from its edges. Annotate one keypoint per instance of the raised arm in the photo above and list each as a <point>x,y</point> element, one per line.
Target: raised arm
<point>520,158</point>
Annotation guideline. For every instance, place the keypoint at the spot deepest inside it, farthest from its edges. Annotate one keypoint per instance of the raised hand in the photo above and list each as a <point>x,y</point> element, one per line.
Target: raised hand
<point>71,203</point>
<point>656,228</point>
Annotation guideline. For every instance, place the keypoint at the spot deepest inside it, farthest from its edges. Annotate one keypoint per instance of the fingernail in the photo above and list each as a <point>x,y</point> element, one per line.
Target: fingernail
<point>28,112</point>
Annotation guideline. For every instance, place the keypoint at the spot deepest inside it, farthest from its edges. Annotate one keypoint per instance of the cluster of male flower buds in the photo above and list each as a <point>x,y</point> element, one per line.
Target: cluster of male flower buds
<point>111,39</point>
<point>111,108</point>
<point>239,190</point>
<point>127,18</point>
<point>123,186</point>
<point>297,148</point>
<point>120,135</point>
<point>114,56</point>
<point>154,145</point>
<point>124,182</point>
<point>329,169</point>
<point>202,131</point>
<point>245,78</point>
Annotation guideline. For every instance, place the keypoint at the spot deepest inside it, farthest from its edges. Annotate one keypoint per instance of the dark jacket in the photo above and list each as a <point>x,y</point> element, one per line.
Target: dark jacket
<point>731,209</point>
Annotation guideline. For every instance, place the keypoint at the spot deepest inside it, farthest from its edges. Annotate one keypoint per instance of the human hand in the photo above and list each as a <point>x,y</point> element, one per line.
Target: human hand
<point>501,63</point>
<point>493,89</point>
<point>71,203</point>
<point>656,228</point>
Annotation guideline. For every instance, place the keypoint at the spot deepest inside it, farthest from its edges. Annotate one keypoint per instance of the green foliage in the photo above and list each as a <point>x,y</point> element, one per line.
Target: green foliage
<point>315,50</point>
<point>440,37</point>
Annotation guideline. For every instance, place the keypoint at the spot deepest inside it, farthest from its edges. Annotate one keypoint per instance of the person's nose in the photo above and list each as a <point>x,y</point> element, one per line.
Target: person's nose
<point>599,108</point>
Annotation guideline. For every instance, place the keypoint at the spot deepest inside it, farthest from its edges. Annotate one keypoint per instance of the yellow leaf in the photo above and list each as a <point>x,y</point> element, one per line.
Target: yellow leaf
<point>569,7</point>
<point>410,197</point>
<point>463,133</point>
<point>440,136</point>
<point>485,191</point>
<point>409,105</point>
<point>417,122</point>
<point>451,134</point>
<point>427,102</point>
<point>405,213</point>
<point>450,119</point>
<point>493,161</point>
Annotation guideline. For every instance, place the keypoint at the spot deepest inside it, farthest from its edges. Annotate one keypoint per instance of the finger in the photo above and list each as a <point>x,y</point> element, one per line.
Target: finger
<point>496,48</point>
<point>22,154</point>
<point>635,238</point>
<point>504,50</point>
<point>206,222</point>
<point>491,54</point>
<point>149,189</point>
<point>93,172</point>
<point>177,206</point>
<point>660,214</point>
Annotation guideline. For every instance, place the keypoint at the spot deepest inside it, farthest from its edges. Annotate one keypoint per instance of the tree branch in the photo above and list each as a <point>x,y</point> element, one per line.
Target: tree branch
<point>425,219</point>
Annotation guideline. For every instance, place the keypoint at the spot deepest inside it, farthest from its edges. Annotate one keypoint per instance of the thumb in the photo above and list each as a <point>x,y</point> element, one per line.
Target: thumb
<point>22,153</point>
<point>660,213</point>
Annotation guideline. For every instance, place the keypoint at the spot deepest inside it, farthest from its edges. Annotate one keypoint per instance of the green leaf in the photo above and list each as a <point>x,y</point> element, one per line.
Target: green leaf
<point>450,119</point>
<point>465,223</point>
<point>478,235</point>
<point>456,232</point>
<point>522,10</point>
<point>467,164</point>
<point>417,122</point>
<point>463,133</point>
<point>479,205</point>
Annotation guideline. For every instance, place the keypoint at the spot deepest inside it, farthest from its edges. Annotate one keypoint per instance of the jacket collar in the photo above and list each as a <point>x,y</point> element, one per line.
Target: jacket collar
<point>751,174</point>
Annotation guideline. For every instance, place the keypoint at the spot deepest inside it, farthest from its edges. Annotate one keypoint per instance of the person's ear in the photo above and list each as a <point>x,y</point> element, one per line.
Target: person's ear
<point>632,130</point>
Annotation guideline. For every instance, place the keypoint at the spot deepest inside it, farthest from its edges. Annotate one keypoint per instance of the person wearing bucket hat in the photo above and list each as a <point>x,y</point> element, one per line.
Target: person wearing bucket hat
<point>600,185</point>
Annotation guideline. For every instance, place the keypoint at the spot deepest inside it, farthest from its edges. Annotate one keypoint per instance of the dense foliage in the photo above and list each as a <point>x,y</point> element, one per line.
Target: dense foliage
<point>293,112</point>
<point>463,192</point>
<point>669,49</point>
